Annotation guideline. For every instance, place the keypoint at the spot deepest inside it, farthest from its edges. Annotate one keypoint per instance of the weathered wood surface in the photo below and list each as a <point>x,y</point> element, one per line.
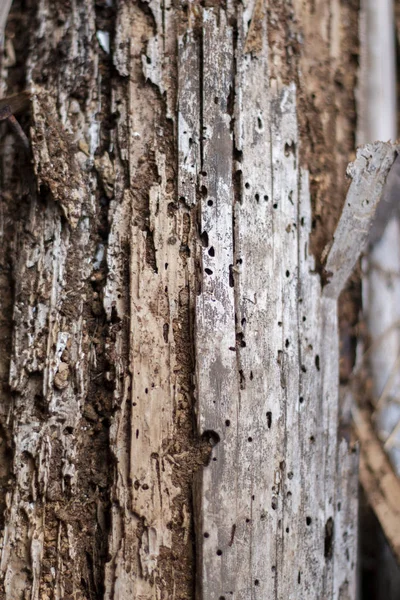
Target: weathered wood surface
<point>277,514</point>
<point>52,496</point>
<point>162,271</point>
<point>369,174</point>
<point>150,515</point>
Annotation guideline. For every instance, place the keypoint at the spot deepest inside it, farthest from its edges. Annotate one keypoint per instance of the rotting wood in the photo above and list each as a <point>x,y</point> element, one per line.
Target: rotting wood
<point>56,165</point>
<point>59,494</point>
<point>151,437</point>
<point>368,173</point>
<point>163,198</point>
<point>270,517</point>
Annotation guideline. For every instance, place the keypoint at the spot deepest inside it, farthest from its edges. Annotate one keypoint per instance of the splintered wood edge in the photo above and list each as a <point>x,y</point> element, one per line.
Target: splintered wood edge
<point>368,173</point>
<point>379,480</point>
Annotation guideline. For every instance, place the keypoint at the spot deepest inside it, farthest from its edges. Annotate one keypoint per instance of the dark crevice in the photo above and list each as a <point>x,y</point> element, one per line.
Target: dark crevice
<point>237,156</point>
<point>151,258</point>
<point>328,540</point>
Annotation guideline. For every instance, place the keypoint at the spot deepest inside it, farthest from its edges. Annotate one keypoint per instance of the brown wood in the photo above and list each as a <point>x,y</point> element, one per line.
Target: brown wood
<point>161,308</point>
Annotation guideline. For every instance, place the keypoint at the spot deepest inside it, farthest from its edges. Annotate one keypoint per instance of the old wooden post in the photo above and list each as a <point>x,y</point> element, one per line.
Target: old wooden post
<point>170,281</point>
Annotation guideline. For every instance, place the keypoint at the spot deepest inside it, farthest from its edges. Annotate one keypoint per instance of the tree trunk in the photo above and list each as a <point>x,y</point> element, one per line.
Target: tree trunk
<point>170,372</point>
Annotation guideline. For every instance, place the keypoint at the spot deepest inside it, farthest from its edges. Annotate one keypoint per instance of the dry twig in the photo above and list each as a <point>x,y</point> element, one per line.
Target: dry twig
<point>380,483</point>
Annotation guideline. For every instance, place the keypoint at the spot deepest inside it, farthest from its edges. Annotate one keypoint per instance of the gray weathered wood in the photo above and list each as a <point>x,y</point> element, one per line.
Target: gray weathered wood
<point>277,504</point>
<point>368,173</point>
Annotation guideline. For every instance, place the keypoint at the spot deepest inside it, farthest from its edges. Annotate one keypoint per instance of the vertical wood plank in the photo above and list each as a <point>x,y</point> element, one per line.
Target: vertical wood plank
<point>216,371</point>
<point>273,516</point>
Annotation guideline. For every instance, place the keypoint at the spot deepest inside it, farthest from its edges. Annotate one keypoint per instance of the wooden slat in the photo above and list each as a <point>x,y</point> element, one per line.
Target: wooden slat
<point>216,358</point>
<point>277,505</point>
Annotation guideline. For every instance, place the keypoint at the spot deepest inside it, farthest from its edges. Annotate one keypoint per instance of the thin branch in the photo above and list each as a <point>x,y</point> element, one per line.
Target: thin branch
<point>380,483</point>
<point>389,384</point>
